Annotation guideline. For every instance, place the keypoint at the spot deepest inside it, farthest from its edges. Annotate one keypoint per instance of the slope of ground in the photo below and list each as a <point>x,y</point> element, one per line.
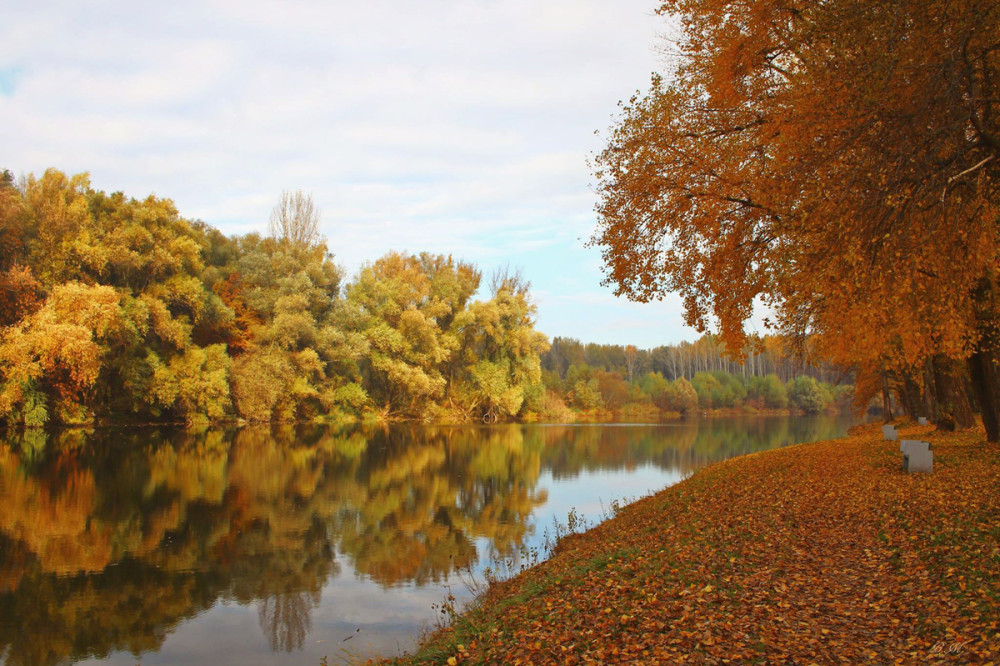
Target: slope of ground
<point>819,553</point>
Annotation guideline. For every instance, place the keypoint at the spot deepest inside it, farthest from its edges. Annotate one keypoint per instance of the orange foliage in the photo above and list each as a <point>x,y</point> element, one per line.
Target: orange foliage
<point>240,336</point>
<point>838,160</point>
<point>60,344</point>
<point>20,294</point>
<point>54,522</point>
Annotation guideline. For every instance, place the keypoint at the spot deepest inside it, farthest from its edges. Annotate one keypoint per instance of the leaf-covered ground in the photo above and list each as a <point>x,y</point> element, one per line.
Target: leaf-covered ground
<point>820,553</point>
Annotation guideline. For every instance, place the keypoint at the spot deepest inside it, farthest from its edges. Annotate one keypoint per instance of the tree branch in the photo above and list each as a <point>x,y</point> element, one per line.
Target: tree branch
<point>975,167</point>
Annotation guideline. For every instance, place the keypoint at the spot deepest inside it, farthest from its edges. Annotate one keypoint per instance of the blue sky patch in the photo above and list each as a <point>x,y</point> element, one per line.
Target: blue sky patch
<point>8,80</point>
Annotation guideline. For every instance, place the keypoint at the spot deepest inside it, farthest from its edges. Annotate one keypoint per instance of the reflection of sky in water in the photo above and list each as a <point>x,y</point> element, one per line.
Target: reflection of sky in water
<point>387,621</point>
<point>372,619</point>
<point>375,619</point>
<point>591,493</point>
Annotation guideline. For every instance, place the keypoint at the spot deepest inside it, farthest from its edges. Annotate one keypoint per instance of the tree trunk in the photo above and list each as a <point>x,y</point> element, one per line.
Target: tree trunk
<point>911,397</point>
<point>886,400</point>
<point>983,363</point>
<point>986,385</point>
<point>954,409</point>
<point>929,400</point>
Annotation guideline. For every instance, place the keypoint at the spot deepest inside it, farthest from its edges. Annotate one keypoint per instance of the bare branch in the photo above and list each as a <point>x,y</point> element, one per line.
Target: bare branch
<point>295,220</point>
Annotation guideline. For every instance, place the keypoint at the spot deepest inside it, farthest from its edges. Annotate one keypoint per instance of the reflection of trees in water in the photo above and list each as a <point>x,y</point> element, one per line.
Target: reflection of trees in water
<point>185,519</point>
<point>129,606</point>
<point>285,619</point>
<point>163,531</point>
<point>425,495</point>
<point>684,447</point>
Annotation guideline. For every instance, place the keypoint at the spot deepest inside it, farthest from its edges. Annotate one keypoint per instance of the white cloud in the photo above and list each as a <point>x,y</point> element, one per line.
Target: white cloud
<point>447,125</point>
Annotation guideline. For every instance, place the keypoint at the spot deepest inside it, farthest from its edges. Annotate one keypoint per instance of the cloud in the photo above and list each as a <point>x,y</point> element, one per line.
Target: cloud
<point>446,126</point>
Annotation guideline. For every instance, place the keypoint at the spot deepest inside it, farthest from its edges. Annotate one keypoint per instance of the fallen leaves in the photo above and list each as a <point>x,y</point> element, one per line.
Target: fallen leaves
<point>820,553</point>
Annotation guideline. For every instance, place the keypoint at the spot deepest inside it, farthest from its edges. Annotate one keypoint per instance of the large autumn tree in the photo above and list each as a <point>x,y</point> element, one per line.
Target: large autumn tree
<point>837,160</point>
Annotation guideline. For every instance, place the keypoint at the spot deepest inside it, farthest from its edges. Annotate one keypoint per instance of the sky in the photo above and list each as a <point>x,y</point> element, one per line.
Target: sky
<point>459,127</point>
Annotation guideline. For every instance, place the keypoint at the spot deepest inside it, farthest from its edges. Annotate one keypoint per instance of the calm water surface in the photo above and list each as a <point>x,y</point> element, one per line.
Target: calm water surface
<point>287,544</point>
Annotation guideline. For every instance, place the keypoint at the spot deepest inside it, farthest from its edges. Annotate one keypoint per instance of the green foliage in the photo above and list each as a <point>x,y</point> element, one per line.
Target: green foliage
<point>718,389</point>
<point>352,396</point>
<point>32,412</point>
<point>587,388</point>
<point>400,305</point>
<point>500,333</point>
<point>808,395</point>
<point>587,394</point>
<point>195,383</point>
<point>259,381</point>
<point>767,392</point>
<point>655,386</point>
<point>709,390</point>
<point>493,388</point>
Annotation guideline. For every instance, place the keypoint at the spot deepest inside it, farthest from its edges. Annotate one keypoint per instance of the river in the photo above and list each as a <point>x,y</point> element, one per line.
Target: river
<point>266,545</point>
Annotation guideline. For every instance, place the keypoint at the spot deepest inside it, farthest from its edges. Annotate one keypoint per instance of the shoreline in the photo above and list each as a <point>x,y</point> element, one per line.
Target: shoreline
<point>806,553</point>
<point>603,417</point>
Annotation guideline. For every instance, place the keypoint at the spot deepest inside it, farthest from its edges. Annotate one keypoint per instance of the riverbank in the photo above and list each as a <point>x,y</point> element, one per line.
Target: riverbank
<point>822,552</point>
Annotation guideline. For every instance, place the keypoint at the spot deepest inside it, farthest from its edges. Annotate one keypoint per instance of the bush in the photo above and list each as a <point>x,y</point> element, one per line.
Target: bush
<point>767,392</point>
<point>806,394</point>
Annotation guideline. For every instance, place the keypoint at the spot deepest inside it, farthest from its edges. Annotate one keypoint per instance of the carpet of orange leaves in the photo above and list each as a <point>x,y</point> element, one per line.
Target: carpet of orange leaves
<point>820,553</point>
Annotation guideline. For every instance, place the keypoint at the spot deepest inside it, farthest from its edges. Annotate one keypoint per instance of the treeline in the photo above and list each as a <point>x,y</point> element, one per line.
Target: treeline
<point>113,307</point>
<point>679,379</point>
<point>767,355</point>
<point>595,391</point>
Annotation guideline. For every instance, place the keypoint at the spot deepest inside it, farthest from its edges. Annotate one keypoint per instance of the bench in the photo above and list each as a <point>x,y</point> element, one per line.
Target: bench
<point>917,456</point>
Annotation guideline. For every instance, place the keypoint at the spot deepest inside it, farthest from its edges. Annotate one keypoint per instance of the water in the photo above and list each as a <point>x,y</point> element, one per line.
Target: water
<point>287,544</point>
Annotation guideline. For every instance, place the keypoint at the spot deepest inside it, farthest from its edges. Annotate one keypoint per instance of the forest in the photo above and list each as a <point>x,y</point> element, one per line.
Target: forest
<point>608,382</point>
<point>119,308</point>
<point>115,310</point>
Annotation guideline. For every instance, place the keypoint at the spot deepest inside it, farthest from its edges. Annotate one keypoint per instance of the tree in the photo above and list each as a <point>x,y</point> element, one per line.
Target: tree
<point>631,359</point>
<point>681,396</point>
<point>195,384</point>
<point>113,307</point>
<point>404,300</point>
<point>511,280</point>
<point>295,220</point>
<point>835,160</point>
<point>500,350</point>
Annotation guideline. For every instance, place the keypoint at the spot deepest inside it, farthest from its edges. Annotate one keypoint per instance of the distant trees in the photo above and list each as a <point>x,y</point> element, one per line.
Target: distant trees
<point>680,396</point>
<point>588,386</point>
<point>767,355</point>
<point>807,395</point>
<point>767,391</point>
<point>835,160</point>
